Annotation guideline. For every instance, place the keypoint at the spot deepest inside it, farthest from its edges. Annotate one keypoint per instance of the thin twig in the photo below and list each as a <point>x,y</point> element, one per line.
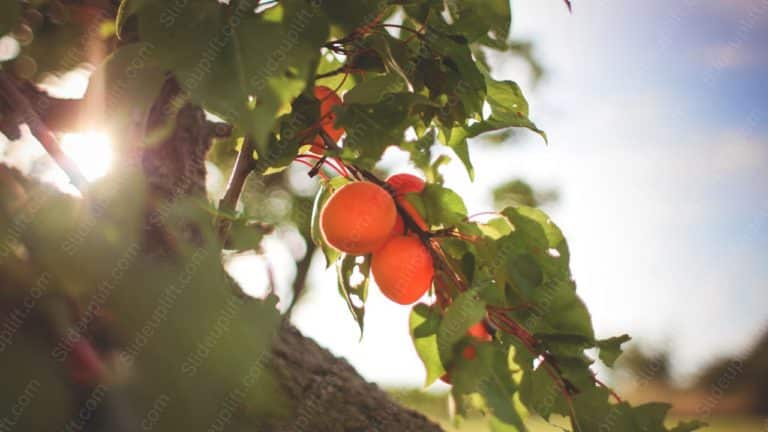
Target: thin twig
<point>302,270</point>
<point>339,70</point>
<point>415,32</point>
<point>27,114</point>
<point>602,384</point>
<point>244,165</point>
<point>529,341</point>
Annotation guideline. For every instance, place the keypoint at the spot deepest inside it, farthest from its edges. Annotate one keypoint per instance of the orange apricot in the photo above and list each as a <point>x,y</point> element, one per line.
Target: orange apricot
<point>404,184</point>
<point>403,269</point>
<point>358,218</point>
<point>328,99</point>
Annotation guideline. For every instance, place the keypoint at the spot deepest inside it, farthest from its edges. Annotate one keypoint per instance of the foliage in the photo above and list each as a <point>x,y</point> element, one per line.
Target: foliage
<point>415,76</point>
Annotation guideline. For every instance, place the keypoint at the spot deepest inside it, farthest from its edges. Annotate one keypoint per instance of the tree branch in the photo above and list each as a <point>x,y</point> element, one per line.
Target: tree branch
<point>24,112</point>
<point>302,271</point>
<point>244,165</point>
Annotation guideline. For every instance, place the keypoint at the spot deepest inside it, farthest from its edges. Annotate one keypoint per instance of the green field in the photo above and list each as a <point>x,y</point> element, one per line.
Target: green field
<point>436,407</point>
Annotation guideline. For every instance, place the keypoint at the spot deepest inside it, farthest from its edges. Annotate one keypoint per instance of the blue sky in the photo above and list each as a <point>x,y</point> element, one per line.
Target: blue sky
<point>658,124</point>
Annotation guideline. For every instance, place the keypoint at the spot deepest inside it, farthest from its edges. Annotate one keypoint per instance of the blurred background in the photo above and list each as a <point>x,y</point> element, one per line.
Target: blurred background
<point>657,172</point>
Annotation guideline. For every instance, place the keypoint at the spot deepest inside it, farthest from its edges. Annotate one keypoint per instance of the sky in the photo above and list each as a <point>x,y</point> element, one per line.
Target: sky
<point>658,124</point>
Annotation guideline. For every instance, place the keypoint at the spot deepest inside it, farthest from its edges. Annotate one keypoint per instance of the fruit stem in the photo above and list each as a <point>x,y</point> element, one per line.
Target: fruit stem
<point>312,166</point>
<point>324,160</point>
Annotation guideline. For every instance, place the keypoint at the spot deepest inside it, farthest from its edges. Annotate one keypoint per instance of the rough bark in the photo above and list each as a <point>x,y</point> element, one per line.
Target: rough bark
<point>331,394</point>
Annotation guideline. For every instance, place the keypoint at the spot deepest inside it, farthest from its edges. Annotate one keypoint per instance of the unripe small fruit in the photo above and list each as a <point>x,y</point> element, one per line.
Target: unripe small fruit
<point>403,269</point>
<point>358,218</point>
<point>469,353</point>
<point>480,333</point>
<point>477,332</point>
<point>404,184</point>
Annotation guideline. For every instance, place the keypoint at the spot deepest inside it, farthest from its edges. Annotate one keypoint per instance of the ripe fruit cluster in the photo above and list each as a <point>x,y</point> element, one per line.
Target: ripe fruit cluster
<point>362,218</point>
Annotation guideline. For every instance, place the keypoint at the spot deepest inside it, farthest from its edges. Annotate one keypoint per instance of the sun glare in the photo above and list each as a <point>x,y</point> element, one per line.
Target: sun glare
<point>91,152</point>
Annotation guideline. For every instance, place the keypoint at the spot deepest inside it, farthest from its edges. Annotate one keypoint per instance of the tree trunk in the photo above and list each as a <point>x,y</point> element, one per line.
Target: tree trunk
<point>331,394</point>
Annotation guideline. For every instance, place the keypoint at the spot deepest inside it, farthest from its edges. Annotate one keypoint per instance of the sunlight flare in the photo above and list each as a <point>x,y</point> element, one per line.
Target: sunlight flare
<point>91,151</point>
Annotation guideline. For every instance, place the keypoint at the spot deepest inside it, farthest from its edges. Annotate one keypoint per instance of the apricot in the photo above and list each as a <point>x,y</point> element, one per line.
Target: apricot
<point>480,333</point>
<point>358,218</point>
<point>328,99</point>
<point>404,184</point>
<point>403,269</point>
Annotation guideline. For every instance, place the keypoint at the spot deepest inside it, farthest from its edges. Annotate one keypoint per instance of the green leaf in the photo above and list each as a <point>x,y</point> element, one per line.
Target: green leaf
<point>650,416</point>
<point>296,128</point>
<point>126,10</point>
<point>373,90</point>
<point>420,151</point>
<point>465,311</point>
<point>542,239</point>
<point>35,379</point>
<point>443,206</point>
<point>351,15</point>
<point>496,228</point>
<point>566,347</point>
<point>246,234</point>
<point>498,425</point>
<point>462,79</point>
<point>219,55</point>
<point>341,81</point>
<point>508,109</point>
<point>515,192</point>
<point>539,392</point>
<point>461,148</point>
<point>484,20</point>
<point>498,388</point>
<point>559,311</point>
<point>689,426</point>
<point>330,253</point>
<point>371,128</point>
<point>610,349</point>
<point>486,383</point>
<point>424,323</point>
<point>354,294</point>
<point>10,16</point>
<point>392,52</point>
<point>593,410</point>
